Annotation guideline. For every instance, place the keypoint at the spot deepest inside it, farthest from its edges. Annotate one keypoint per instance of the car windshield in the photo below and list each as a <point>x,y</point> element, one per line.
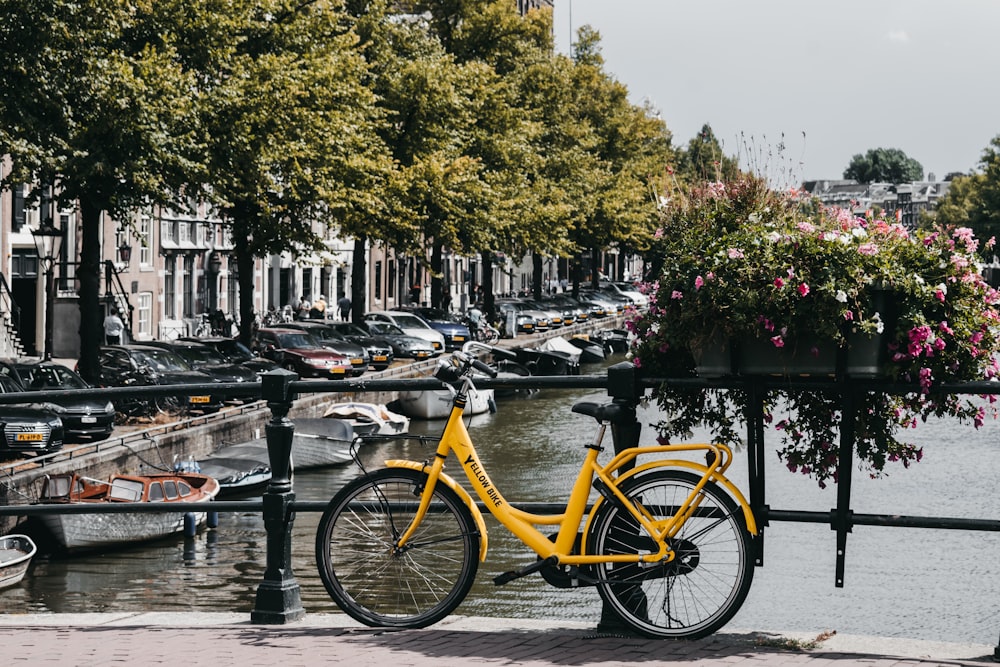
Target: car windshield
<point>409,321</point>
<point>348,329</point>
<point>8,384</point>
<point>384,328</point>
<point>201,355</point>
<point>234,350</point>
<point>161,360</point>
<point>291,341</point>
<point>321,333</point>
<point>51,377</point>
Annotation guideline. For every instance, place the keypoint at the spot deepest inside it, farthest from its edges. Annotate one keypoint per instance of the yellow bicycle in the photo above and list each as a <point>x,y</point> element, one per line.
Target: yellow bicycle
<point>668,542</point>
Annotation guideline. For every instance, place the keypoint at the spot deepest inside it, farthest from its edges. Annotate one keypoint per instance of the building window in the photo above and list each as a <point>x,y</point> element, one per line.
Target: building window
<point>378,279</point>
<point>188,296</point>
<point>170,287</point>
<point>146,314</point>
<point>145,245</point>
<point>184,232</point>
<point>390,284</point>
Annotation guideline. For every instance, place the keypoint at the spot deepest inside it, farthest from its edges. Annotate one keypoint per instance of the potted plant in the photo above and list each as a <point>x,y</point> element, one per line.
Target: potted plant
<point>737,264</point>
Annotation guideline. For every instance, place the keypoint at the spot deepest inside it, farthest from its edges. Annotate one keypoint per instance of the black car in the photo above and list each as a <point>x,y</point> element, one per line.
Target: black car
<point>403,345</point>
<point>207,359</point>
<point>142,365</point>
<point>27,428</point>
<point>378,350</point>
<point>326,336</point>
<point>235,352</point>
<point>83,418</point>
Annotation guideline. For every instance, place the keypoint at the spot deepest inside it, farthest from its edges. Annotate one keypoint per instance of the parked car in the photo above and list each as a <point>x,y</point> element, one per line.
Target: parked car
<point>626,289</point>
<point>142,365</point>
<point>327,337</point>
<point>298,351</point>
<point>411,325</point>
<point>235,352</point>
<point>455,333</point>
<point>27,428</point>
<point>83,418</point>
<point>207,359</point>
<point>403,345</point>
<point>526,320</point>
<point>379,351</point>
<point>612,303</point>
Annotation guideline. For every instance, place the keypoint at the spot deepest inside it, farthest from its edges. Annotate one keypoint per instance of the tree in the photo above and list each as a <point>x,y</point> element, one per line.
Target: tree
<point>974,200</point>
<point>703,159</point>
<point>884,165</point>
<point>99,105</point>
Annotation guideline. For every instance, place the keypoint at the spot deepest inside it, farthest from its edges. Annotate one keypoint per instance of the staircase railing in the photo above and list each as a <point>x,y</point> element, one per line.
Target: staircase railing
<point>10,321</point>
<point>114,293</point>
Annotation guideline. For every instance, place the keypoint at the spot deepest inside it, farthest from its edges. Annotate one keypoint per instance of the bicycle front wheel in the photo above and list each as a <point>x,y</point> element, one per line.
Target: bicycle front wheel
<point>379,584</point>
<point>703,587</point>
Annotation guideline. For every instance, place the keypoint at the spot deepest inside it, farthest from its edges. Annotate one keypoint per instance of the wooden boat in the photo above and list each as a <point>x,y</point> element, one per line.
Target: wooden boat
<point>241,470</point>
<point>436,403</point>
<point>80,531</point>
<point>16,552</point>
<point>369,418</point>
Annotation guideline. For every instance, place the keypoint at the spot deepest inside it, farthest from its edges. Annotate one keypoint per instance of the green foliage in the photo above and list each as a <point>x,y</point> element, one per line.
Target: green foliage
<point>884,165</point>
<point>974,200</point>
<point>704,160</point>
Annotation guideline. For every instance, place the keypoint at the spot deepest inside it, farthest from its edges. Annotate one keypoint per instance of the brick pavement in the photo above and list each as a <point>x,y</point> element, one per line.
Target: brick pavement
<point>96,640</point>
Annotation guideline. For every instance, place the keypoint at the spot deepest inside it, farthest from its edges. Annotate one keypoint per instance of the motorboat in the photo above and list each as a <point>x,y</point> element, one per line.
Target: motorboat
<point>322,441</point>
<point>555,356</point>
<point>615,341</point>
<point>74,531</point>
<point>436,403</point>
<point>507,368</point>
<point>242,470</point>
<point>591,352</point>
<point>16,552</point>
<point>369,418</point>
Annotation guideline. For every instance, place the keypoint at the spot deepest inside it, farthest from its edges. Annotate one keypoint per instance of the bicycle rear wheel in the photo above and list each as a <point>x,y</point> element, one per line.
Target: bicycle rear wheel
<point>376,583</point>
<point>708,580</point>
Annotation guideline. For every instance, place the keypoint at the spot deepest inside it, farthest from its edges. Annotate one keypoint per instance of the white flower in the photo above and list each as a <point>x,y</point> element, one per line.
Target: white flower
<point>879,324</point>
<point>841,296</point>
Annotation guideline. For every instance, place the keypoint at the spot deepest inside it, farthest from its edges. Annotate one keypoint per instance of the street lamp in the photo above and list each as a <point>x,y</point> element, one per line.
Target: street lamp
<point>48,239</point>
<point>124,255</point>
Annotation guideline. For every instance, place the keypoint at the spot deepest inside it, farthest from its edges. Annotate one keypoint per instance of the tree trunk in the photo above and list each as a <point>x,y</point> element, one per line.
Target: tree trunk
<point>536,275</point>
<point>245,265</point>
<point>89,275</point>
<point>359,273</point>
<point>595,268</point>
<point>436,273</point>
<point>489,306</point>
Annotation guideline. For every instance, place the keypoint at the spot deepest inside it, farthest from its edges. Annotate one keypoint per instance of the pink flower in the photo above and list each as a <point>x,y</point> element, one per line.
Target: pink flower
<point>777,341</point>
<point>779,283</point>
<point>939,295</point>
<point>699,282</point>
<point>735,253</point>
<point>677,295</point>
<point>803,289</point>
<point>849,315</point>
<point>868,249</point>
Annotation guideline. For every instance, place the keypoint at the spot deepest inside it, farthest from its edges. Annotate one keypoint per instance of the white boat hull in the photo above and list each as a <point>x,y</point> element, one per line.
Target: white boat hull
<point>16,552</point>
<point>80,532</point>
<point>436,403</point>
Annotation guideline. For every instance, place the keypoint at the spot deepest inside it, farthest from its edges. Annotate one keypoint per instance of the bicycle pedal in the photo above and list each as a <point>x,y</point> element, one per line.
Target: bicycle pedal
<point>508,577</point>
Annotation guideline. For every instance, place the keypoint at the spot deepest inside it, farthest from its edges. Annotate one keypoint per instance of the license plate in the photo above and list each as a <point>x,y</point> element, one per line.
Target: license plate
<point>459,339</point>
<point>339,370</point>
<point>357,362</point>
<point>529,326</point>
<point>421,355</point>
<point>88,420</point>
<point>201,399</point>
<point>379,357</point>
<point>30,437</point>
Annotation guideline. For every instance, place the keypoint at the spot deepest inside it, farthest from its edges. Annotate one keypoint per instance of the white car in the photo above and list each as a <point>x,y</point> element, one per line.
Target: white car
<point>639,300</point>
<point>411,324</point>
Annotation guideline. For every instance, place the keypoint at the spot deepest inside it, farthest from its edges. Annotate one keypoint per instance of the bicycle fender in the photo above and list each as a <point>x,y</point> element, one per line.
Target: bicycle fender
<point>699,469</point>
<point>457,488</point>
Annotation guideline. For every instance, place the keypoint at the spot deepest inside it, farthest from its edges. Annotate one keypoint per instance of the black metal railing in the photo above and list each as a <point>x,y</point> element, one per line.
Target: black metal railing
<point>278,595</point>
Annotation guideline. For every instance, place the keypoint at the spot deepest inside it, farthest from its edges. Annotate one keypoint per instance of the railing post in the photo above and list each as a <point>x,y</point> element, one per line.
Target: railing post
<point>624,390</point>
<point>278,596</point>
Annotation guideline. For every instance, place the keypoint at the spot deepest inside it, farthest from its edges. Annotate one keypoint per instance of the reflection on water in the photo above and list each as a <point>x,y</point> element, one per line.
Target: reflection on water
<point>932,584</point>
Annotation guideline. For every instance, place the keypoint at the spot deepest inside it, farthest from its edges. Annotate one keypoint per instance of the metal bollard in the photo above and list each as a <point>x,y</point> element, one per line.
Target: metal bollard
<point>278,596</point>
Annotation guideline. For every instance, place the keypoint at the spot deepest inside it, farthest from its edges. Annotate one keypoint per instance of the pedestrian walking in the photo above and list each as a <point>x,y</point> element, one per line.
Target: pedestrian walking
<point>302,309</point>
<point>344,304</point>
<point>318,310</point>
<point>113,328</point>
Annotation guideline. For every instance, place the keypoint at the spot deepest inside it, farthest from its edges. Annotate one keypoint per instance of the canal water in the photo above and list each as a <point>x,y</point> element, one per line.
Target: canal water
<point>901,582</point>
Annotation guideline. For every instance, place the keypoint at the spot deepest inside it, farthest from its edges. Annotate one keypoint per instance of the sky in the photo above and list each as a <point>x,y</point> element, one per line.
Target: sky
<point>796,88</point>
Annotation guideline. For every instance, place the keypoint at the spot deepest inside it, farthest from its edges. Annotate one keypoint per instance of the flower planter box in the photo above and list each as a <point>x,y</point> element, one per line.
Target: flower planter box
<point>759,356</point>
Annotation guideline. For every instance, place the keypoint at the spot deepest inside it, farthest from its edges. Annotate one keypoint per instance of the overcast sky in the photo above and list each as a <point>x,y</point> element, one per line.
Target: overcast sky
<point>920,76</point>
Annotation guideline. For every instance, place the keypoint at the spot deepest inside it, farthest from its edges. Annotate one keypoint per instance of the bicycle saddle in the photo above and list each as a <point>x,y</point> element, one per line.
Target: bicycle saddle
<point>604,412</point>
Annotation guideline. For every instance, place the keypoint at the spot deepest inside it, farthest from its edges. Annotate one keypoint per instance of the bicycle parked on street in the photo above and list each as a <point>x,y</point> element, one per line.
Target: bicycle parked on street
<point>669,542</point>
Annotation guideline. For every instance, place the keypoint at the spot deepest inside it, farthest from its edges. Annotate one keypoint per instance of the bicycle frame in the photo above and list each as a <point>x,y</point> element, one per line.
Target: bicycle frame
<point>455,439</point>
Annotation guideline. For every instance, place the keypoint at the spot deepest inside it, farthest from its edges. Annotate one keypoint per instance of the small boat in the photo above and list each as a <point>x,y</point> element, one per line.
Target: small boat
<point>556,356</point>
<point>16,552</point>
<point>242,470</point>
<point>591,352</point>
<point>369,418</point>
<point>615,341</point>
<point>511,369</point>
<point>80,531</point>
<point>436,403</point>
<point>320,442</point>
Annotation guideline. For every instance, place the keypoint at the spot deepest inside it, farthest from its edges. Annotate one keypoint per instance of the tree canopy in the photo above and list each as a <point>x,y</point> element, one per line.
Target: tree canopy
<point>884,165</point>
<point>974,200</point>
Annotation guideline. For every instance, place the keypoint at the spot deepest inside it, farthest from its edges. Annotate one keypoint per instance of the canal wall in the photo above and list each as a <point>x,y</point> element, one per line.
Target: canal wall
<point>138,449</point>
